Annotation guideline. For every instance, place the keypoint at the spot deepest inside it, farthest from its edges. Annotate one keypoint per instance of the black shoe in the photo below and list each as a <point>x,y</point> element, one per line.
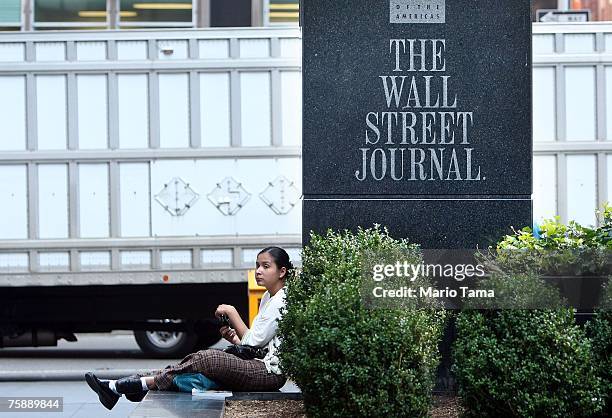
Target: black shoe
<point>135,397</point>
<point>130,384</point>
<point>107,397</point>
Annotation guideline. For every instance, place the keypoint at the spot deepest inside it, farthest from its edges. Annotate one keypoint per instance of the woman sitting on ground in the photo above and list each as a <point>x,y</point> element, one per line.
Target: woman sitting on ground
<point>225,369</point>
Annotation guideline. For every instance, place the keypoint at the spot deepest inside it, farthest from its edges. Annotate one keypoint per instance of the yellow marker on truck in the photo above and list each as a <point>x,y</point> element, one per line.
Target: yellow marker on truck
<point>255,294</point>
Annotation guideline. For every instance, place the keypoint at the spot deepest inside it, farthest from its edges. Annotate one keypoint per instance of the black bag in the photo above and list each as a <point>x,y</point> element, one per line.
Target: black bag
<point>246,352</point>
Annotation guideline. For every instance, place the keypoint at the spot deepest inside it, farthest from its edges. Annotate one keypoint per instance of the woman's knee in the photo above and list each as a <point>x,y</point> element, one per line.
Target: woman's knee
<point>205,359</point>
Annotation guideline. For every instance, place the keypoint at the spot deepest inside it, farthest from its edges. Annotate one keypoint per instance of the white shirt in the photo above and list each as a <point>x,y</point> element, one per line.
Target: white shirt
<point>264,328</point>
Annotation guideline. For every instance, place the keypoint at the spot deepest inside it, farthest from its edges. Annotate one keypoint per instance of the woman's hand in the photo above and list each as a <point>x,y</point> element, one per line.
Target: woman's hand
<point>228,310</point>
<point>236,321</point>
<point>229,334</point>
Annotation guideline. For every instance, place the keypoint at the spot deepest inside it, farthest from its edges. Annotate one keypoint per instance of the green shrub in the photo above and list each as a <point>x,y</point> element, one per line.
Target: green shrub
<point>556,249</point>
<point>600,331</point>
<point>521,363</point>
<point>537,362</point>
<point>350,360</point>
<point>517,291</point>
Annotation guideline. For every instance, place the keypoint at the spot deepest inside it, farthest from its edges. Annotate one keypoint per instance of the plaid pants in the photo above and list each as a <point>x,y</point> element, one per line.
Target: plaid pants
<point>227,370</point>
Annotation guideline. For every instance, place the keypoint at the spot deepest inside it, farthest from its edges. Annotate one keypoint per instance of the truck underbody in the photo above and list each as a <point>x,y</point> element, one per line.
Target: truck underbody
<point>40,316</point>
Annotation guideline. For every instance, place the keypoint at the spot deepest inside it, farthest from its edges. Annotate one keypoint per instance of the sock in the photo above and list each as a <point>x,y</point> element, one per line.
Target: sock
<point>145,387</point>
<point>111,385</point>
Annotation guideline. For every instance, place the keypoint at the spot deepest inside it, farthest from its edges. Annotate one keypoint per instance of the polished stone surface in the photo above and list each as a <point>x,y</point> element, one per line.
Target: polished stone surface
<point>449,151</point>
<point>449,224</point>
<point>487,58</point>
<point>176,404</point>
<point>182,405</point>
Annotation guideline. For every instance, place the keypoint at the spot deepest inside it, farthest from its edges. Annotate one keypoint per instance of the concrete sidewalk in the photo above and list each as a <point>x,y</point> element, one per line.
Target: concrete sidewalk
<point>105,354</point>
<point>109,355</point>
<point>80,401</point>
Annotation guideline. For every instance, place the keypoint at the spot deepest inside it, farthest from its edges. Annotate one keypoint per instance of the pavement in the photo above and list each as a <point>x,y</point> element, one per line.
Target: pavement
<point>78,400</point>
<point>109,355</point>
<point>81,402</point>
<point>59,372</point>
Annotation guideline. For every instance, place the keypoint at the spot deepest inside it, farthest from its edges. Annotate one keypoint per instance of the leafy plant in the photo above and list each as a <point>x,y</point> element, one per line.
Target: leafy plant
<point>538,362</point>
<point>556,249</point>
<point>347,359</point>
<point>599,330</point>
<point>525,363</point>
<point>517,291</point>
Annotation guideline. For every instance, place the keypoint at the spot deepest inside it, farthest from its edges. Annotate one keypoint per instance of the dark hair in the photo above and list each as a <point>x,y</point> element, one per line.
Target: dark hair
<point>281,258</point>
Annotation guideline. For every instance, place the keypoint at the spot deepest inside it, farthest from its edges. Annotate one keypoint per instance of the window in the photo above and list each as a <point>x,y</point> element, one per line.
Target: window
<point>104,14</point>
<point>230,13</point>
<point>283,12</point>
<point>156,13</point>
<point>10,14</point>
<point>69,13</point>
<point>128,14</point>
<point>542,5</point>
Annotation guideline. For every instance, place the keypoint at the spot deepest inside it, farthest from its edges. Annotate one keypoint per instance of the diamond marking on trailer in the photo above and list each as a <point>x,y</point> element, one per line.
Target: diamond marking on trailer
<point>281,195</point>
<point>229,196</point>
<point>177,197</point>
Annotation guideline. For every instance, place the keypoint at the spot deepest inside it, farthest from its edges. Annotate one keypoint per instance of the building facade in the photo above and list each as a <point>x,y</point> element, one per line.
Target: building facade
<point>29,15</point>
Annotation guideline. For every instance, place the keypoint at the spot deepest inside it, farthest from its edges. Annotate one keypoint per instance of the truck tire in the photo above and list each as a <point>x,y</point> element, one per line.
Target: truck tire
<point>166,344</point>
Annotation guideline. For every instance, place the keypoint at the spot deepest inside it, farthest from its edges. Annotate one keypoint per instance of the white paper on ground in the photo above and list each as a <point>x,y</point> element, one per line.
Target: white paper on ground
<point>210,394</point>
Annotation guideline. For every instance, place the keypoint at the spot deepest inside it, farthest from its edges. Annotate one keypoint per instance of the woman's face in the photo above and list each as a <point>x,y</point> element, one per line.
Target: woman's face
<point>267,274</point>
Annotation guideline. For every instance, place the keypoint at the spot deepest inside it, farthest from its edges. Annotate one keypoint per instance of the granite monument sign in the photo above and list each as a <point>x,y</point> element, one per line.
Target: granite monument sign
<point>417,116</point>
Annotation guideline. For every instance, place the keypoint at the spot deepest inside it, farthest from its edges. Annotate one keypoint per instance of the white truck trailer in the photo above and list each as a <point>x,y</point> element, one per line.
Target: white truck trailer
<point>140,173</point>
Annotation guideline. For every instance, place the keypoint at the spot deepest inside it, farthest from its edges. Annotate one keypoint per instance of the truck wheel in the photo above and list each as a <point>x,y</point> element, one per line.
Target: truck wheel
<point>166,344</point>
